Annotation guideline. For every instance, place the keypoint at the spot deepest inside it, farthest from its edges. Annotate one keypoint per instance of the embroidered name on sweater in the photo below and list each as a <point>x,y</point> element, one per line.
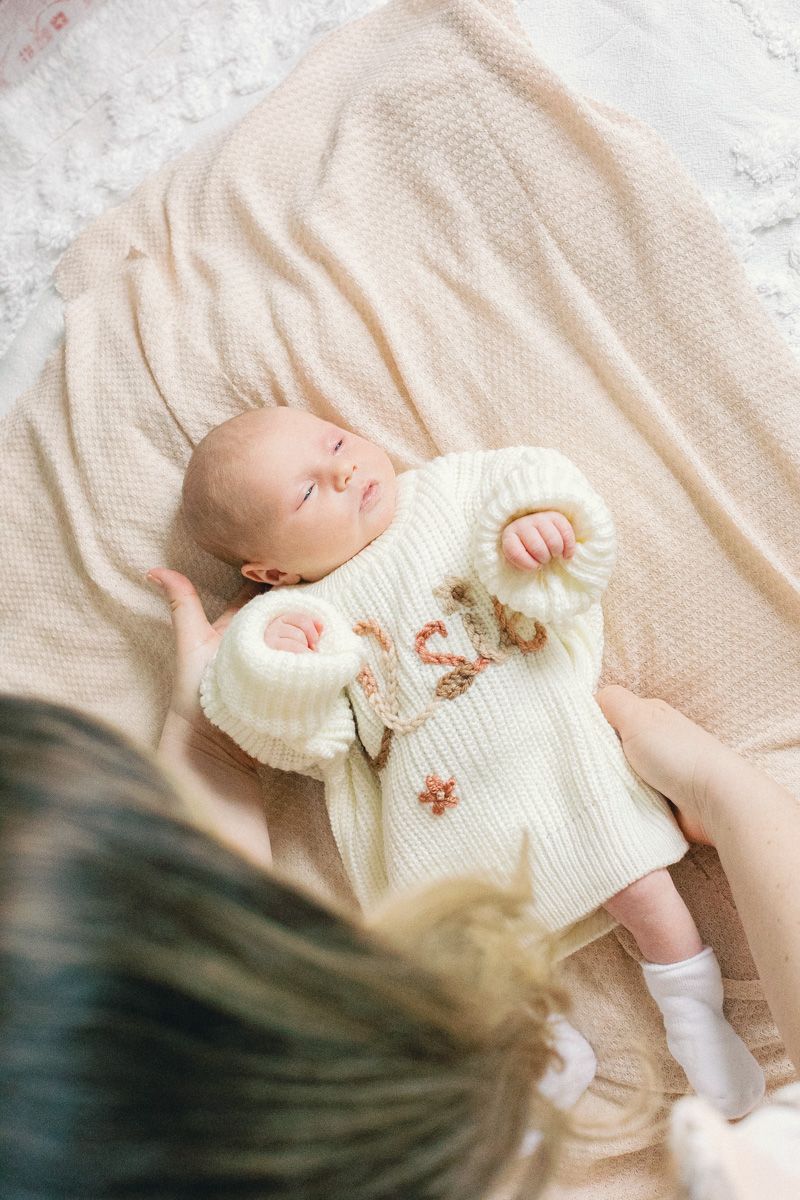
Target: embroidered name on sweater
<point>492,646</point>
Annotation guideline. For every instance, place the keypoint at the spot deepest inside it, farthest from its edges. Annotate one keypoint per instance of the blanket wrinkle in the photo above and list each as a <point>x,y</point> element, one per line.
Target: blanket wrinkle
<point>425,235</point>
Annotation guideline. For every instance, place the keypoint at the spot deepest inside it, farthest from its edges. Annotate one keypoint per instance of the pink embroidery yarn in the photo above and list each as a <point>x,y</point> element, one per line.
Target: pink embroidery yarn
<point>439,794</point>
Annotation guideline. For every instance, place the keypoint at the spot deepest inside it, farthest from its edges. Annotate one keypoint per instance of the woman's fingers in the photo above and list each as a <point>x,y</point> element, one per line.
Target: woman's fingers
<point>619,706</point>
<point>189,620</point>
<point>188,615</point>
<point>669,751</point>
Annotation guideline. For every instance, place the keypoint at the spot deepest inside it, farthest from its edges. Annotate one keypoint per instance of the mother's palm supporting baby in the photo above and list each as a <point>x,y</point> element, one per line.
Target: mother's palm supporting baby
<point>221,782</point>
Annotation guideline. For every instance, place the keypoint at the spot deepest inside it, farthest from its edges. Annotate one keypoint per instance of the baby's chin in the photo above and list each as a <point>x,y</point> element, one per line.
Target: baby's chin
<point>315,573</point>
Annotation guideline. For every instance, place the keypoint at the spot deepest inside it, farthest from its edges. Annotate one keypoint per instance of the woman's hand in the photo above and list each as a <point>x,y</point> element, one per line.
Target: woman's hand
<point>753,822</point>
<point>219,777</point>
<point>670,752</point>
<point>196,639</point>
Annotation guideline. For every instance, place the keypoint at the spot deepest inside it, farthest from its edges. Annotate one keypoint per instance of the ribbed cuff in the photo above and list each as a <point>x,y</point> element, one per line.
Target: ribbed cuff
<point>559,591</point>
<point>287,696</point>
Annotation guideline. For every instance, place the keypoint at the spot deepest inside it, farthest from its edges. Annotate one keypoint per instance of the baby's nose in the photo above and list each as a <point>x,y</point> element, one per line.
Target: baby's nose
<point>344,473</point>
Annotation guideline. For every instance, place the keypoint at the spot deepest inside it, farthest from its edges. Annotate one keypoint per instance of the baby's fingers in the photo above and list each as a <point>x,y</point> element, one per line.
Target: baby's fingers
<point>567,534</point>
<point>293,644</point>
<point>518,553</point>
<point>554,530</point>
<point>309,627</point>
<point>544,533</point>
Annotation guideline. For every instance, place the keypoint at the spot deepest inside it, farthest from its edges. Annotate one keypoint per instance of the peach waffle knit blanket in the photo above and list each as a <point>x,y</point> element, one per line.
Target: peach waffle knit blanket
<point>426,236</point>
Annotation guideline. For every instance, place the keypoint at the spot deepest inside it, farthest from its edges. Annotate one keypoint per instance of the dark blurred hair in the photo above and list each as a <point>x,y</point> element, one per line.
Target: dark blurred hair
<point>176,1023</point>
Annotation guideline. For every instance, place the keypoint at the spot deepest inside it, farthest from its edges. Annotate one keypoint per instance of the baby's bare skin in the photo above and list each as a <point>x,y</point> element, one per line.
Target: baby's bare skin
<point>528,543</point>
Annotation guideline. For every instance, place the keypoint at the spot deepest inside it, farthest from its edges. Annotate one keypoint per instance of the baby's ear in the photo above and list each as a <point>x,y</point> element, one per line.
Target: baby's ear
<point>260,573</point>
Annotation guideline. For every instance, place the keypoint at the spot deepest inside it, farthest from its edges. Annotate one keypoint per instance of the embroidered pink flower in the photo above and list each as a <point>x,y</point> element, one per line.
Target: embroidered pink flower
<point>439,793</point>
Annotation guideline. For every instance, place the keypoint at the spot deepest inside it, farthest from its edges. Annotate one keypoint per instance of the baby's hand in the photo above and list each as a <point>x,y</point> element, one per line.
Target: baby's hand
<point>296,632</point>
<point>530,542</point>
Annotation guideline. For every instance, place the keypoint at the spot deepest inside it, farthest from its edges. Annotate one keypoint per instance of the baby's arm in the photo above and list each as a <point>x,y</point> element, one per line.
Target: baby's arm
<point>544,541</point>
<point>286,709</point>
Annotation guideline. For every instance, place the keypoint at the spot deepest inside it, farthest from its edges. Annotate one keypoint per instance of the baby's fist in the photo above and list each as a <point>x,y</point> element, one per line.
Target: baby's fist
<point>531,541</point>
<point>296,632</point>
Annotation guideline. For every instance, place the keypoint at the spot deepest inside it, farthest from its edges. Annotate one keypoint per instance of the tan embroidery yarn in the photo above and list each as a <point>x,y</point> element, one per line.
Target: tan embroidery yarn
<point>454,595</point>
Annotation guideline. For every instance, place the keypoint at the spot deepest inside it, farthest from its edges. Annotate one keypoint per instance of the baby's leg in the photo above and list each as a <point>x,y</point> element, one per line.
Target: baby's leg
<point>684,979</point>
<point>653,911</point>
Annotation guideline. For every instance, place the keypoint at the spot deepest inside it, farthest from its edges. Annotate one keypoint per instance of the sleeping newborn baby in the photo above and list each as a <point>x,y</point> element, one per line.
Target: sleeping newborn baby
<point>430,649</point>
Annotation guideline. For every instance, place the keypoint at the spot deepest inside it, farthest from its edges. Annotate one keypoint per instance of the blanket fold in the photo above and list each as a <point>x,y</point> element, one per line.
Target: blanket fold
<point>426,236</point>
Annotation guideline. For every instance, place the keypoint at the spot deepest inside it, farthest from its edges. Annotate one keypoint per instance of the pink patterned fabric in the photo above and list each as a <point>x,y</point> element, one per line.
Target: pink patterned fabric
<point>30,29</point>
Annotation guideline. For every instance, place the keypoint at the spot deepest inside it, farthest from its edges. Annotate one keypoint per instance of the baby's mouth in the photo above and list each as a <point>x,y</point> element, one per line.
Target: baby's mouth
<point>369,496</point>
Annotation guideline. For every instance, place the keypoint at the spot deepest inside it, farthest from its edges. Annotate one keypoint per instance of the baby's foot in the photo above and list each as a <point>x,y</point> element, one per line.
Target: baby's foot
<point>564,1084</point>
<point>717,1063</point>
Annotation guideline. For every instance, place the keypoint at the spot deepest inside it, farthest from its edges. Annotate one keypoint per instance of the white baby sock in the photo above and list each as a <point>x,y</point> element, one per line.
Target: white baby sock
<point>716,1061</point>
<point>564,1085</point>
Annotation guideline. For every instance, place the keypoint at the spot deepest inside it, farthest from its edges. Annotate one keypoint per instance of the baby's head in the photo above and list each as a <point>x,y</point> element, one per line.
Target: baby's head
<point>285,496</point>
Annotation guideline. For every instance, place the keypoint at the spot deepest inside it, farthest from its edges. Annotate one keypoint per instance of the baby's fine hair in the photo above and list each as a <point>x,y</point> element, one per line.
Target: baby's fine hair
<point>216,509</point>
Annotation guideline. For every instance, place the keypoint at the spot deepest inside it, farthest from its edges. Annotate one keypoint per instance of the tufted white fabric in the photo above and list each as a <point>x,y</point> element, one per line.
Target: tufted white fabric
<point>124,92</point>
<point>136,85</point>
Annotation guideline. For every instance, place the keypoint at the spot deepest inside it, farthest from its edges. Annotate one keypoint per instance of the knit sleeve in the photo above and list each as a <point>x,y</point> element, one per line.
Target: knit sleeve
<point>287,710</point>
<point>536,480</point>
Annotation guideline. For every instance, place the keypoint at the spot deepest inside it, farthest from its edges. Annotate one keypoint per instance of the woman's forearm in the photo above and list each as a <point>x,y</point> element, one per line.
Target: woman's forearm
<point>221,787</point>
<point>753,822</point>
<point>755,826</point>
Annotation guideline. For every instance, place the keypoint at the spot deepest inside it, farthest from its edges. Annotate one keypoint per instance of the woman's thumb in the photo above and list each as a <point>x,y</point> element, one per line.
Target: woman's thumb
<point>188,616</point>
<point>617,705</point>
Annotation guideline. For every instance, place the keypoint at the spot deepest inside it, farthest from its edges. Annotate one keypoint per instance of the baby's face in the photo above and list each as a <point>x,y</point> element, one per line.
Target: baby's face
<point>326,494</point>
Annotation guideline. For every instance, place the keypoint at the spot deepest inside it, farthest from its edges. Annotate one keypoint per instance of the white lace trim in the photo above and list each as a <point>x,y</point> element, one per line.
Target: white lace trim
<point>146,82</point>
<point>157,74</point>
<point>781,37</point>
<point>770,160</point>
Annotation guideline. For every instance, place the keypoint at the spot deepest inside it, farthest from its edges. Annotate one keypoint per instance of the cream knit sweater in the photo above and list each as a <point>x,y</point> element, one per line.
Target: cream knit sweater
<point>449,706</point>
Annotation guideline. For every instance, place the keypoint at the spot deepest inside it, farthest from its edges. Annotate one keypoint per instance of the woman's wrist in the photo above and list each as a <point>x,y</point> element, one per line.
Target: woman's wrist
<point>194,744</point>
<point>220,785</point>
<point>730,780</point>
<point>711,785</point>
